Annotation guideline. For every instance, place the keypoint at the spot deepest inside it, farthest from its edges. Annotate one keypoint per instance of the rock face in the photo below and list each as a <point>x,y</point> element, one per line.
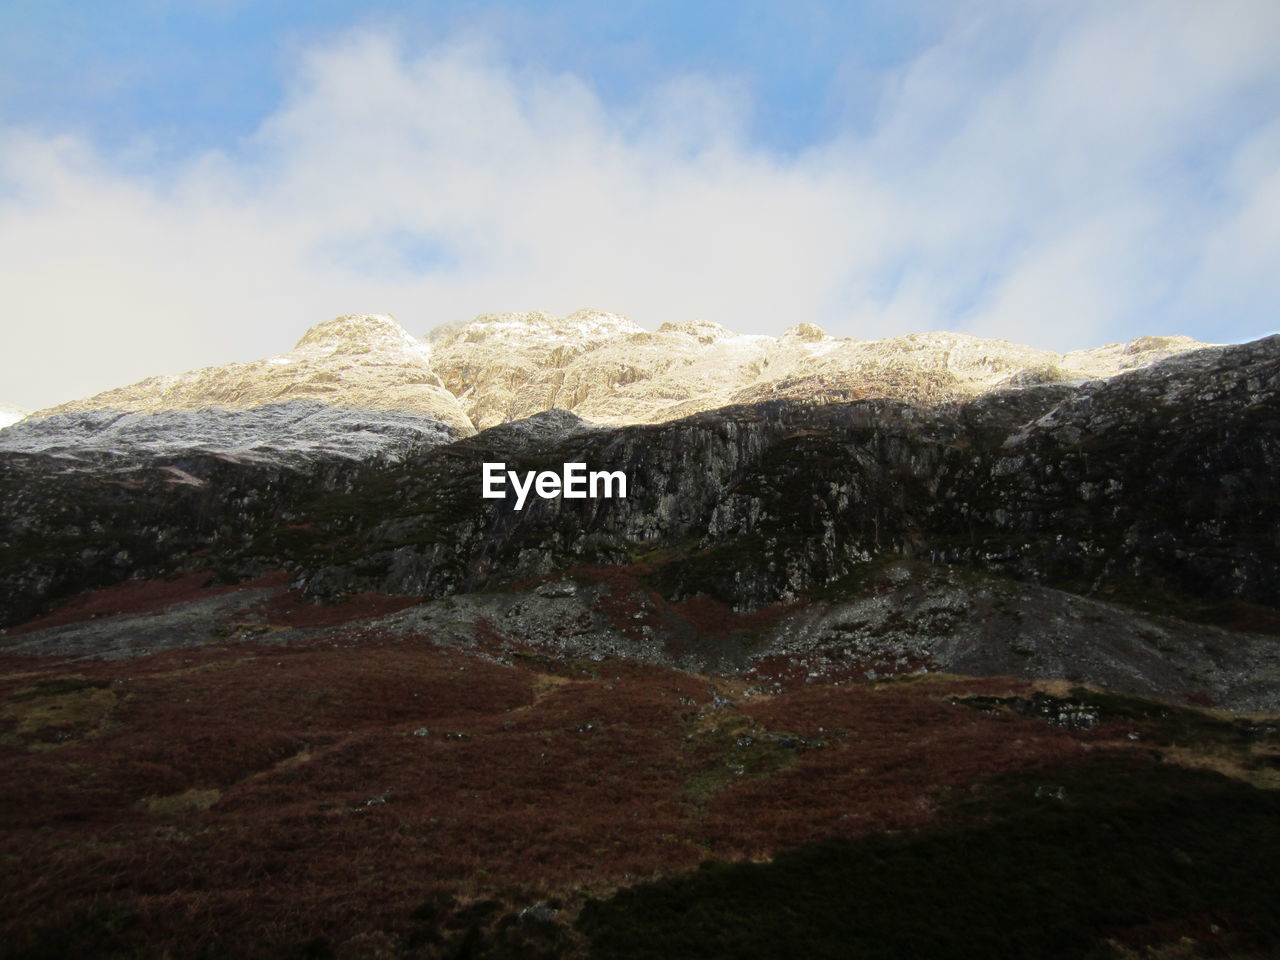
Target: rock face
<point>910,617</point>
<point>1157,483</point>
<point>905,618</point>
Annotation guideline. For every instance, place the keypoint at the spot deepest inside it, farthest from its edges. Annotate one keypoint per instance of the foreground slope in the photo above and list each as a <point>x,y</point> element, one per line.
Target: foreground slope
<point>303,782</point>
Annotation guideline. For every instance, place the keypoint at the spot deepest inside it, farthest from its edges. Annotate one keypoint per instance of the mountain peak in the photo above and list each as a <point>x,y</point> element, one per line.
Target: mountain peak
<point>703,331</point>
<point>805,333</point>
<point>357,361</point>
<point>358,333</point>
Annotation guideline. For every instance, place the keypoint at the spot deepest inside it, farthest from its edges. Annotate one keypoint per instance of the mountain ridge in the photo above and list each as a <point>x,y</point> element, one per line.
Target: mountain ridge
<point>376,379</point>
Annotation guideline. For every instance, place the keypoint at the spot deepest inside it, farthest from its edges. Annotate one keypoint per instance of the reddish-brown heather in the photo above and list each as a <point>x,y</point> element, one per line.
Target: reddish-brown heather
<point>265,794</point>
<point>630,603</point>
<point>710,617</point>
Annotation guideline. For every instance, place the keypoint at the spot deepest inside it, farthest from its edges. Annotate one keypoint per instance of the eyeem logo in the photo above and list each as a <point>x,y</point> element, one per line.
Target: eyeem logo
<point>572,483</point>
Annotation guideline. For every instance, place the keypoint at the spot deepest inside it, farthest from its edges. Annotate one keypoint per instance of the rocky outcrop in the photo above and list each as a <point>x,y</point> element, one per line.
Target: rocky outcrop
<point>913,618</point>
<point>904,618</point>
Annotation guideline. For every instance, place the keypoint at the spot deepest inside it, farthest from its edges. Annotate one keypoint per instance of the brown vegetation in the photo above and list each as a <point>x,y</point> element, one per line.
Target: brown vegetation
<point>261,796</point>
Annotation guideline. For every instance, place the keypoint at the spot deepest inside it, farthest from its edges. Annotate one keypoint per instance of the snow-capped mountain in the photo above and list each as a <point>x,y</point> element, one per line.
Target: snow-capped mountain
<point>361,387</point>
<point>608,369</point>
<point>353,361</point>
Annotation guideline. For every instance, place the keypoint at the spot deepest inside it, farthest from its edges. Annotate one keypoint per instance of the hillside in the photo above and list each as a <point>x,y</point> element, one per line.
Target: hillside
<point>997,629</point>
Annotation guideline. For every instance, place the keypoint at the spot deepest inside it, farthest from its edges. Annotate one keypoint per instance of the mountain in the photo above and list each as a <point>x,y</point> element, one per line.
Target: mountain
<point>933,645</point>
<point>1152,488</point>
<point>361,387</point>
<point>357,387</point>
<point>363,361</point>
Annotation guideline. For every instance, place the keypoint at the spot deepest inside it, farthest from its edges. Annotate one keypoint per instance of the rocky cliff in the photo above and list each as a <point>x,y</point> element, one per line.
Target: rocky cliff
<point>1160,477</point>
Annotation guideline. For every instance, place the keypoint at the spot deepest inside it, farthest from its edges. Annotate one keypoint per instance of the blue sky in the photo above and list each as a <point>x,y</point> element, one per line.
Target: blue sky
<point>184,183</point>
<point>202,72</point>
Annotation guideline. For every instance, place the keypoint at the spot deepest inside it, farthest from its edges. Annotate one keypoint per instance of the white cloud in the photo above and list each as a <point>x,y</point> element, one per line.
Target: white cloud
<point>1058,176</point>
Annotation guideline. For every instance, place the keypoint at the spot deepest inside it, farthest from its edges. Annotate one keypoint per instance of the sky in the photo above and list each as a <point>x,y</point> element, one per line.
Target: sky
<point>192,182</point>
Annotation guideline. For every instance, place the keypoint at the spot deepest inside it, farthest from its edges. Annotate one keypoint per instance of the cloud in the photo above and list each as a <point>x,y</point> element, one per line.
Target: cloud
<point>1056,175</point>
